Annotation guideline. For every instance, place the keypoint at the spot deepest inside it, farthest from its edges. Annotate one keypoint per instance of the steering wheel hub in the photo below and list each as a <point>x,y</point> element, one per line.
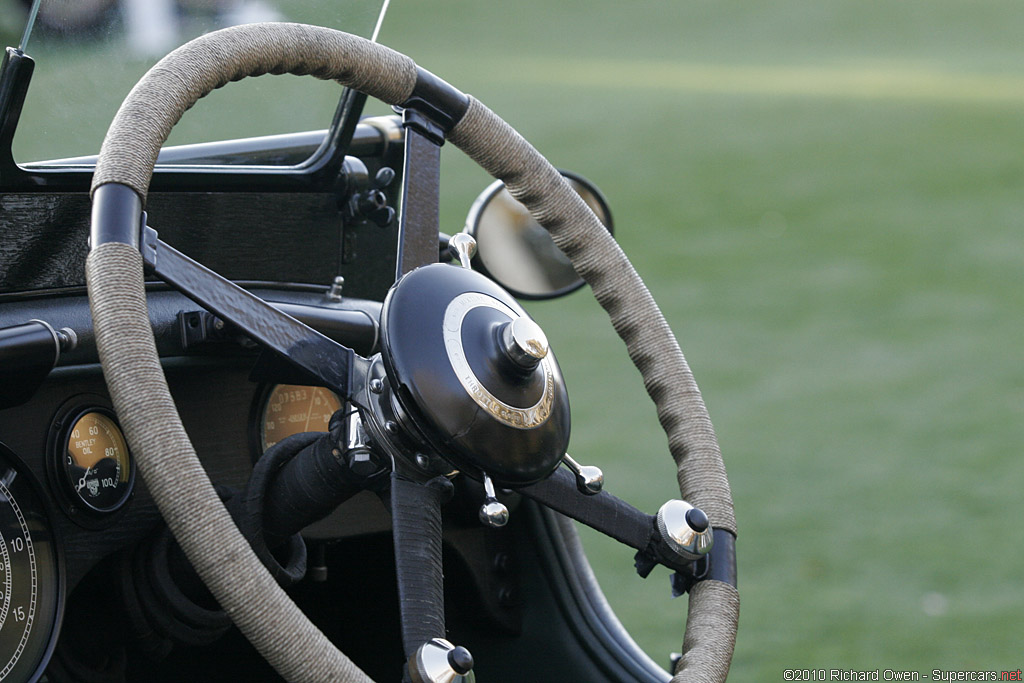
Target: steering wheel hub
<point>475,374</point>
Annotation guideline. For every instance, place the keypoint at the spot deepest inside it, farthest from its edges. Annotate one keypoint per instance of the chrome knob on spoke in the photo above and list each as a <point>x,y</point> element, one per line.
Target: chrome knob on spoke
<point>438,661</point>
<point>462,246</point>
<point>589,479</point>
<point>493,513</point>
<point>685,529</point>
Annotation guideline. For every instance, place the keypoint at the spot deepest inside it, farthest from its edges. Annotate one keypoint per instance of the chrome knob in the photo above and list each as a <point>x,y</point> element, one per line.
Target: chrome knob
<point>462,246</point>
<point>334,294</point>
<point>493,513</point>
<point>524,343</point>
<point>438,661</point>
<point>589,479</point>
<point>685,529</point>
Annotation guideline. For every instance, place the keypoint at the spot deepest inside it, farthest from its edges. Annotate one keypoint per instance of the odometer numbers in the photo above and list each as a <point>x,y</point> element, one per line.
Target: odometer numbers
<point>291,409</point>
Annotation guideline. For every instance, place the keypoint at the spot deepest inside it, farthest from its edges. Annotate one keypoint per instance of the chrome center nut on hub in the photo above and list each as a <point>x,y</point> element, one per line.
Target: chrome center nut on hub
<point>524,343</point>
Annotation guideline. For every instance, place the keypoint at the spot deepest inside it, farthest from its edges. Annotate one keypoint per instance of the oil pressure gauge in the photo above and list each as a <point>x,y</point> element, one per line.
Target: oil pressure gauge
<point>94,466</point>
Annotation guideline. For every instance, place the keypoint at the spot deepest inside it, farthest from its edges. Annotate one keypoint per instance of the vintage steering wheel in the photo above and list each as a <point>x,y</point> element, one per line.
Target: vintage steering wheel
<point>120,246</point>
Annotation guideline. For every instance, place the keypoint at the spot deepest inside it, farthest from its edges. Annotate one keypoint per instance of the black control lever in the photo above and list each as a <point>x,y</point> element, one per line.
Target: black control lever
<point>324,361</point>
<point>304,478</point>
<point>372,204</point>
<point>298,481</point>
<point>623,522</point>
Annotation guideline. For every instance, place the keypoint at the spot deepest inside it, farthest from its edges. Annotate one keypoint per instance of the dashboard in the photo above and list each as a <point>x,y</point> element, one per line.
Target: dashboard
<point>74,512</point>
<point>92,585</point>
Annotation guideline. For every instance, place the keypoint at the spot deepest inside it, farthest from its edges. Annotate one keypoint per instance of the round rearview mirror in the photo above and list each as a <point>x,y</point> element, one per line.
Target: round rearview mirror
<point>515,251</point>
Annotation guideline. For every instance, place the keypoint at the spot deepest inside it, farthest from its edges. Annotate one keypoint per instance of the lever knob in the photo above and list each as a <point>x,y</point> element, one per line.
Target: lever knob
<point>438,661</point>
<point>589,479</point>
<point>462,246</point>
<point>685,529</point>
<point>493,512</point>
<point>460,660</point>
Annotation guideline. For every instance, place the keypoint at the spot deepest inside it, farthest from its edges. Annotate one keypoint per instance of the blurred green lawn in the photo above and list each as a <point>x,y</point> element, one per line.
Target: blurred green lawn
<point>825,198</point>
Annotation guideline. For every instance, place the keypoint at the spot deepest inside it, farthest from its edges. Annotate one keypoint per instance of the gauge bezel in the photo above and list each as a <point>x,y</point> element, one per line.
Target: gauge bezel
<point>73,505</point>
<point>258,409</point>
<point>46,511</point>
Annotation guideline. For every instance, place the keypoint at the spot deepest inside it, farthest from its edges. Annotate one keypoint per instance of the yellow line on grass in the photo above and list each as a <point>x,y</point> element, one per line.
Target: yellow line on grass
<point>868,82</point>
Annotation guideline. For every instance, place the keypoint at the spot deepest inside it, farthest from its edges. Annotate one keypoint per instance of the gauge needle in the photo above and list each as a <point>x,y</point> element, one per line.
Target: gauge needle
<point>81,482</point>
<point>309,409</point>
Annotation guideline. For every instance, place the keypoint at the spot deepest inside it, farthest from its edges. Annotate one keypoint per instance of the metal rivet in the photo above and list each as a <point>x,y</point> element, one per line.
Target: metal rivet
<point>502,563</point>
<point>376,386</point>
<point>507,596</point>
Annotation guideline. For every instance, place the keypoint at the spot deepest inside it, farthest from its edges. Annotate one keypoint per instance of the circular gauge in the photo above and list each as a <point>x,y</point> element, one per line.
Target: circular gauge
<point>292,409</point>
<point>31,585</point>
<point>97,467</point>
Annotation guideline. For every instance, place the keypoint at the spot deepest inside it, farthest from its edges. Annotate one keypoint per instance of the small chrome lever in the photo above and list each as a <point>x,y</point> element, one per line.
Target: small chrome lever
<point>462,246</point>
<point>493,513</point>
<point>589,479</point>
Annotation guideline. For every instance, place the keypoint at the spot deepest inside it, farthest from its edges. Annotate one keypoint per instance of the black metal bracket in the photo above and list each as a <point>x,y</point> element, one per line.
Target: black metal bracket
<point>200,327</point>
<point>718,565</point>
<point>117,216</point>
<point>438,100</point>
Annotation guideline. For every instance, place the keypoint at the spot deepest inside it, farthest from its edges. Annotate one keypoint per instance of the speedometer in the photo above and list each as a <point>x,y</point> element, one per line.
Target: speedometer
<point>30,577</point>
<point>291,408</point>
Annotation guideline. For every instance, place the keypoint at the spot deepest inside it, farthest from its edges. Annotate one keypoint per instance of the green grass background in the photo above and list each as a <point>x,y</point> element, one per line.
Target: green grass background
<point>825,198</point>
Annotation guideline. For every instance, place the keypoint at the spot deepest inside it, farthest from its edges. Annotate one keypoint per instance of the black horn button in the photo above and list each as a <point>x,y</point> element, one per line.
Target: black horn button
<point>475,375</point>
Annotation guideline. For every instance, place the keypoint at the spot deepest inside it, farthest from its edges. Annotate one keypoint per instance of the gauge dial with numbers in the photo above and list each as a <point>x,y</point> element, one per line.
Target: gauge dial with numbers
<point>98,469</point>
<point>30,579</point>
<point>292,409</point>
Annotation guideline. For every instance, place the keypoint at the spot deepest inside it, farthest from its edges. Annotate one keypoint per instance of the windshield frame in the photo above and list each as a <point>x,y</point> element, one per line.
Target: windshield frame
<point>195,166</point>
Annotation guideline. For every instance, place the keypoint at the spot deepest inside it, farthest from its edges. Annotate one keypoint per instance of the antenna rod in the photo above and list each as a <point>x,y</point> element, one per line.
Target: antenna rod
<point>28,26</point>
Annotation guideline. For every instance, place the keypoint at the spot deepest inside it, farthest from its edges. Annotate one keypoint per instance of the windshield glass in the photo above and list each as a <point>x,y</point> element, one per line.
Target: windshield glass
<point>89,54</point>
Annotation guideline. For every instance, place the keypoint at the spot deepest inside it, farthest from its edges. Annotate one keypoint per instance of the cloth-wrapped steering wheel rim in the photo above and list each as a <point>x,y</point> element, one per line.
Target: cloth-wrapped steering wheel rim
<point>182,490</point>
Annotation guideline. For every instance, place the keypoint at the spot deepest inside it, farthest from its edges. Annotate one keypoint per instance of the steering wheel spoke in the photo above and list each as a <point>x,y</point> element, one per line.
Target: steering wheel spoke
<point>320,359</point>
<point>416,520</point>
<point>416,525</point>
<point>677,537</point>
